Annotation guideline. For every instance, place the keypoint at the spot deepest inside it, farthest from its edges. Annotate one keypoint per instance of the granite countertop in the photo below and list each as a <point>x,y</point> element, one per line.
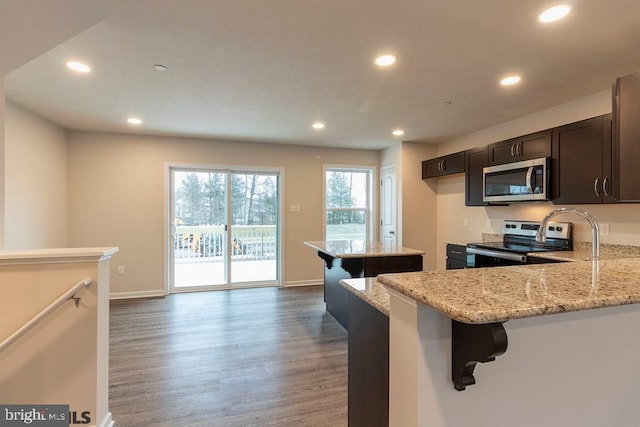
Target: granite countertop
<point>582,252</point>
<point>455,242</point>
<point>486,295</point>
<point>360,248</point>
<point>370,290</point>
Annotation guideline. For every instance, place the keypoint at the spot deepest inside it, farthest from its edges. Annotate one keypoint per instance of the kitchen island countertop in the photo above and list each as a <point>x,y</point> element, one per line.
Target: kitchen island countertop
<point>357,248</point>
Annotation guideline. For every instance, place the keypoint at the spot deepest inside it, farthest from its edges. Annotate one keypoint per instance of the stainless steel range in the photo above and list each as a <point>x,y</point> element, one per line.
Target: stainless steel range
<point>518,241</point>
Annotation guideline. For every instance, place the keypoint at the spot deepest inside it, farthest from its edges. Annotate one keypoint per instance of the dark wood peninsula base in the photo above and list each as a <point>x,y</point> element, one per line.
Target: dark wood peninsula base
<point>361,305</point>
<point>337,297</point>
<point>368,375</point>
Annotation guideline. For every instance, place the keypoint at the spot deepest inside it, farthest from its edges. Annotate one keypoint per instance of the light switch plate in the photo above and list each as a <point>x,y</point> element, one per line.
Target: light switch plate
<point>604,229</point>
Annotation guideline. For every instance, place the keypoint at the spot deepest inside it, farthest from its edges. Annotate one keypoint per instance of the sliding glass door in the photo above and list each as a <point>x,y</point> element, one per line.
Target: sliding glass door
<point>225,229</point>
<point>254,227</point>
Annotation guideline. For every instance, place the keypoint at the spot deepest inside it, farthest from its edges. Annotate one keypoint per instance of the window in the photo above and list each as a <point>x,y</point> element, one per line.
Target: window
<point>348,198</point>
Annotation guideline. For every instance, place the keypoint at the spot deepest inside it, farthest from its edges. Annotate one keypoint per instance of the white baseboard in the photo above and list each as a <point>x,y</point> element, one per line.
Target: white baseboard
<point>296,283</point>
<point>107,421</point>
<point>136,294</point>
<point>161,294</point>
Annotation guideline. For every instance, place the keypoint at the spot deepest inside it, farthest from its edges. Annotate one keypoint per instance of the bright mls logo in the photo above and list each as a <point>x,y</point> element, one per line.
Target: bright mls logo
<point>34,415</point>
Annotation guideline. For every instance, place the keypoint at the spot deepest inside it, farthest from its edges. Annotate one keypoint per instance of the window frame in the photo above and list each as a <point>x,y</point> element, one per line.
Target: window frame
<point>369,211</point>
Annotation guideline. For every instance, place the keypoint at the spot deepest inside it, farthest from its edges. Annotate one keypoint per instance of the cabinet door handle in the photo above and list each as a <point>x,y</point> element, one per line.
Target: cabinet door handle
<point>595,186</point>
<point>604,187</point>
<point>513,150</point>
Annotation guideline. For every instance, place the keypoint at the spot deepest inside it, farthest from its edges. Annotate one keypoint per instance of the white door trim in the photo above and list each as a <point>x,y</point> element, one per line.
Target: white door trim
<point>386,171</point>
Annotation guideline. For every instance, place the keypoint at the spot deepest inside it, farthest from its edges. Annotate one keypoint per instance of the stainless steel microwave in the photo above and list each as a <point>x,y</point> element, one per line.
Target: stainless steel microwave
<point>527,180</point>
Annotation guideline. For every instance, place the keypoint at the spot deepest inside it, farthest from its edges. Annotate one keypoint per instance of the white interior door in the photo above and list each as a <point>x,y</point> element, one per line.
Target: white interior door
<point>388,206</point>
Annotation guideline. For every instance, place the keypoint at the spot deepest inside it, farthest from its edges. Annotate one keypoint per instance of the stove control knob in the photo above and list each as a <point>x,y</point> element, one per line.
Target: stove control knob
<point>552,229</point>
<point>559,228</point>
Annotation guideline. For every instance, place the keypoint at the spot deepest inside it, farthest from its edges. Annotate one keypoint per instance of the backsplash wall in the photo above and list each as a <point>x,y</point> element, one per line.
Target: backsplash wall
<point>623,218</point>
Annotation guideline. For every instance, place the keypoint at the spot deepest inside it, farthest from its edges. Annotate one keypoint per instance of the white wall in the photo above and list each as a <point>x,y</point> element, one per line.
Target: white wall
<point>35,181</point>
<point>64,358</point>
<point>117,198</point>
<point>624,219</point>
<point>419,203</point>
<point>417,199</point>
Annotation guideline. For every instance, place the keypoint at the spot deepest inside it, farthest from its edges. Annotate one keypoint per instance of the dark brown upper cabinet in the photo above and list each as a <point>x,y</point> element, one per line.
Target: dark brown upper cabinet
<point>444,165</point>
<point>532,146</point>
<point>581,164</point>
<point>626,138</point>
<point>476,159</point>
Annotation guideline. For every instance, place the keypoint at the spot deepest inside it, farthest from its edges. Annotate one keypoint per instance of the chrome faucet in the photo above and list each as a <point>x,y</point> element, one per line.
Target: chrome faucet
<point>541,235</point>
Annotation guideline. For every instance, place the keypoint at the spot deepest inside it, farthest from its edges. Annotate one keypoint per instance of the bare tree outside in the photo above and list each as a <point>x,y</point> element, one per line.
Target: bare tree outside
<point>201,199</point>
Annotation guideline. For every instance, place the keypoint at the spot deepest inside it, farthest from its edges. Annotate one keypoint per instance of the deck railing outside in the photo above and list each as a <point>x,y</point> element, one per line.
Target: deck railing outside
<point>206,243</point>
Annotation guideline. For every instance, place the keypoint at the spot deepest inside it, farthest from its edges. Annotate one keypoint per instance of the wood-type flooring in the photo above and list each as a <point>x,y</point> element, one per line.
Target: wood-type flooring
<point>245,357</point>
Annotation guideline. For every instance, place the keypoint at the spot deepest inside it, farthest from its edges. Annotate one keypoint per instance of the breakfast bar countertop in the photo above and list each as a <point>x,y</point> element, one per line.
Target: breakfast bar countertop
<point>487,295</point>
<point>358,248</point>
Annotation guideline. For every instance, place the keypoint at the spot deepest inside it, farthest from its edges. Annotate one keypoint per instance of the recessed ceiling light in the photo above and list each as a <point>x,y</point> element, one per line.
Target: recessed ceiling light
<point>385,60</point>
<point>78,66</point>
<point>318,125</point>
<point>555,13</point>
<point>159,67</point>
<point>134,121</point>
<point>510,80</point>
<point>398,132</point>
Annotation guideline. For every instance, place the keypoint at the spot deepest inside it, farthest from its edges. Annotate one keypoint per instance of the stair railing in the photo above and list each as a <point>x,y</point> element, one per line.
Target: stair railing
<point>67,296</point>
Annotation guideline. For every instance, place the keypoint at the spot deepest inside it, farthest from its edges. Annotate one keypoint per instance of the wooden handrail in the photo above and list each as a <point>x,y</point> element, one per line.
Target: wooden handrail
<point>68,295</point>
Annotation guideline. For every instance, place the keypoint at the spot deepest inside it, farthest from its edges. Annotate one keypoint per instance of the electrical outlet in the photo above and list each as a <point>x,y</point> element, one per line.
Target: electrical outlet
<point>294,208</point>
<point>121,269</point>
<point>466,222</point>
<point>489,225</point>
<point>604,229</point>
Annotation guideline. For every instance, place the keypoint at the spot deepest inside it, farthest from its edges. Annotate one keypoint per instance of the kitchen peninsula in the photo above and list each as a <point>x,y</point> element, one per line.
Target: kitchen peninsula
<point>572,356</point>
<point>347,259</point>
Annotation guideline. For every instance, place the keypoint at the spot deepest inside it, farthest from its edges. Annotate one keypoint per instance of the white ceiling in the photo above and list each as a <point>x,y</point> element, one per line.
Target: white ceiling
<point>264,70</point>
<point>29,28</point>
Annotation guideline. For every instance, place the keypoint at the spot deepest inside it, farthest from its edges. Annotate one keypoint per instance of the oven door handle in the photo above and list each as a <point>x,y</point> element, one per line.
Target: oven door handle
<point>496,254</point>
